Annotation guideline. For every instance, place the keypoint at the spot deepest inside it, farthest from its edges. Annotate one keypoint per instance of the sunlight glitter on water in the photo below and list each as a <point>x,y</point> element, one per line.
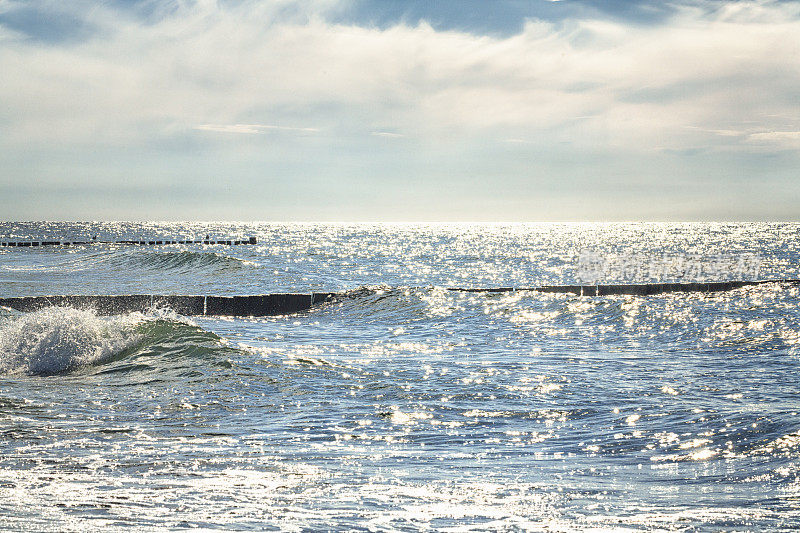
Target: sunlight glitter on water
<point>402,405</point>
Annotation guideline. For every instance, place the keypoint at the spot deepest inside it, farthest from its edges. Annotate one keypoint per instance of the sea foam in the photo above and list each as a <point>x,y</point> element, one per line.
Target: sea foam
<point>59,339</point>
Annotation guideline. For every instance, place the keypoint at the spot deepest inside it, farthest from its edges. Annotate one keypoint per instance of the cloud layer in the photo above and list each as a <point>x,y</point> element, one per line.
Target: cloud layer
<point>709,80</point>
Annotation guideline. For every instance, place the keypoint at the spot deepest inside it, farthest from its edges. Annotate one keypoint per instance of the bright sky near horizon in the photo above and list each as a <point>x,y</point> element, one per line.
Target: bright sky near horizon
<point>510,110</point>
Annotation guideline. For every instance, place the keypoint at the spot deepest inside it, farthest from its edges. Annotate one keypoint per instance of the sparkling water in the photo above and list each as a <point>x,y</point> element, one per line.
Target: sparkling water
<point>399,405</point>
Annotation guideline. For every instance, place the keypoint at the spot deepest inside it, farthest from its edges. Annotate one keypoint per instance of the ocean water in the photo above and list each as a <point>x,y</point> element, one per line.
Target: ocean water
<point>401,406</point>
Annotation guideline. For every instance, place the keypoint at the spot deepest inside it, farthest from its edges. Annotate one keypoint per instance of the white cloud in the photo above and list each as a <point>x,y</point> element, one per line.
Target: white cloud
<point>696,79</point>
<point>250,128</point>
<point>779,139</point>
<point>228,128</point>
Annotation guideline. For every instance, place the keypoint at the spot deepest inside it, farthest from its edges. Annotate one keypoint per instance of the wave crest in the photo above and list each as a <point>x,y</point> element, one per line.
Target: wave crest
<point>182,261</point>
<point>60,339</point>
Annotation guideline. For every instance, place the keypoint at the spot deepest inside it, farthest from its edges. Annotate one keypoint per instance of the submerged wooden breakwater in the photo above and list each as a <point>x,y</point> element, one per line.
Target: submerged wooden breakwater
<point>283,304</point>
<point>634,289</point>
<point>258,305</point>
<point>147,242</point>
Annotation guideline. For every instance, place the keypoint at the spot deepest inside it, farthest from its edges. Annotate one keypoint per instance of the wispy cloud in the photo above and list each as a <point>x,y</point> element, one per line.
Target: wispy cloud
<point>778,139</point>
<point>387,134</point>
<point>250,128</point>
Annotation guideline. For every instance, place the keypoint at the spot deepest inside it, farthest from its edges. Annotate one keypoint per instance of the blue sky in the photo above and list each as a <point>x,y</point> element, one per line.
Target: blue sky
<point>400,111</point>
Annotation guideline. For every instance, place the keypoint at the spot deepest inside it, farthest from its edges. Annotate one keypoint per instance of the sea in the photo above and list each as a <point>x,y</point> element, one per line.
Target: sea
<point>400,405</point>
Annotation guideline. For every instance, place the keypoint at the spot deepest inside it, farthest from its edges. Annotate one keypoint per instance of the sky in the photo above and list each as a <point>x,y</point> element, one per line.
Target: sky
<point>382,110</point>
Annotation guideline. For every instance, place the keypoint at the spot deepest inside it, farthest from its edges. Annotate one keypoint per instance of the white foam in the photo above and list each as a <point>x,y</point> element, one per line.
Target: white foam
<point>58,339</point>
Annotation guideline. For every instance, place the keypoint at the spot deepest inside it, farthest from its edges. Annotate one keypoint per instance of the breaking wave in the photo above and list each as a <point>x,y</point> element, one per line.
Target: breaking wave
<point>59,340</point>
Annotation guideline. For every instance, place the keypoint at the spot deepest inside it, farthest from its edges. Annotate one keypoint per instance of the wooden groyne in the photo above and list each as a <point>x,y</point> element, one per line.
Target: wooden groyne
<point>633,289</point>
<point>146,242</point>
<point>257,305</point>
<point>287,303</point>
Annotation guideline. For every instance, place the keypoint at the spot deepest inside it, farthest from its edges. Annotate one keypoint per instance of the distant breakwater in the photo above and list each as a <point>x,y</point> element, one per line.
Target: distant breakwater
<point>287,303</point>
<point>139,242</point>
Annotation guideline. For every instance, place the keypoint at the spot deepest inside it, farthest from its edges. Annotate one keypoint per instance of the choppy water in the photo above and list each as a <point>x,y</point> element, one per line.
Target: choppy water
<point>401,406</point>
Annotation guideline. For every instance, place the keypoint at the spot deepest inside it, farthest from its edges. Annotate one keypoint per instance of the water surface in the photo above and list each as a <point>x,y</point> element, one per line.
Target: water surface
<point>400,406</point>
